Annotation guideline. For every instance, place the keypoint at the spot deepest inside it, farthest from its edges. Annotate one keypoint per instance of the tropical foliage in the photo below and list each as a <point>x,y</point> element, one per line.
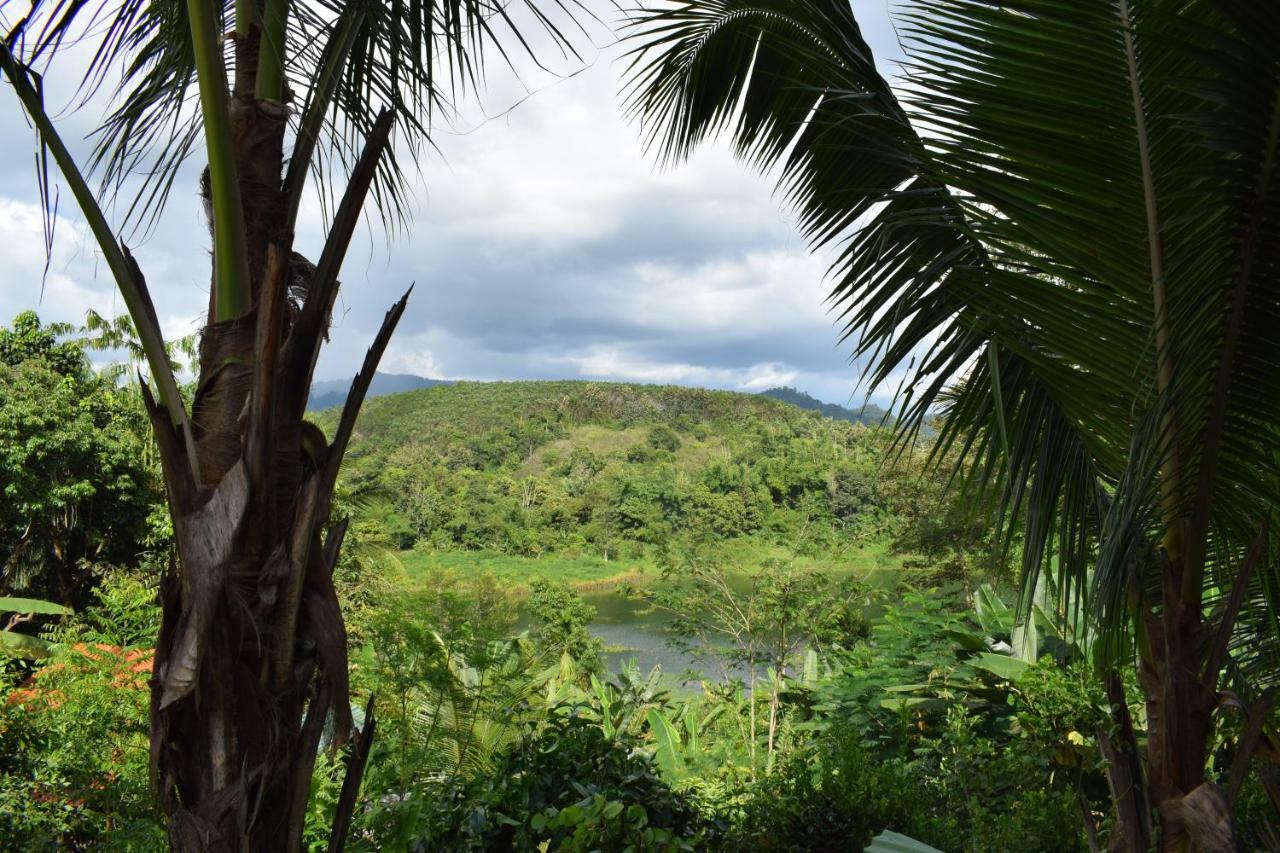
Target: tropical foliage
<point>1061,227</point>
<point>1076,259</point>
<point>80,483</point>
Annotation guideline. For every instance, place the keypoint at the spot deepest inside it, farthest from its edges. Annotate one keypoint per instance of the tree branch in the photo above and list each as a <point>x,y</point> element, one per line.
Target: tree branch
<point>232,296</point>
<point>267,343</point>
<point>359,388</point>
<point>356,761</point>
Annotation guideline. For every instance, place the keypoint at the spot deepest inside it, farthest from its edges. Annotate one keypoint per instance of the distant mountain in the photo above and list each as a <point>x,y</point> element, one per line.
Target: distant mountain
<point>870,414</point>
<point>333,392</point>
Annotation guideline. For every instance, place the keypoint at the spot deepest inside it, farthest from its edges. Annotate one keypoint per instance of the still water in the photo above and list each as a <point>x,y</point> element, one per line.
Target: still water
<point>631,629</point>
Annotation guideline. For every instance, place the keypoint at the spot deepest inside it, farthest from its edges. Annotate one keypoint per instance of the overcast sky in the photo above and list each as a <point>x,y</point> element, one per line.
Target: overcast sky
<point>546,245</point>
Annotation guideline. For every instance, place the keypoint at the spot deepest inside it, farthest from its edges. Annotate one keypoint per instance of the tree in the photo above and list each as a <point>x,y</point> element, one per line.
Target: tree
<point>561,619</point>
<point>251,656</point>
<point>77,485</point>
<point>1065,232</point>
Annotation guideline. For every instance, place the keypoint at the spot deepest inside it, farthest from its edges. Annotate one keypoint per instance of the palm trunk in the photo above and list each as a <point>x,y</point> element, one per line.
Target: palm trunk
<point>1180,695</point>
<point>250,663</point>
<point>1179,722</point>
<point>251,658</point>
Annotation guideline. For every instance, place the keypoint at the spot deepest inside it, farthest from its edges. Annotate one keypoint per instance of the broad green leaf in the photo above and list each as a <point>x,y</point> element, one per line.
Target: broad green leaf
<point>993,614</point>
<point>1001,666</point>
<point>1045,622</point>
<point>667,739</point>
<point>1025,642</point>
<point>967,640</point>
<point>24,645</point>
<point>913,703</point>
<point>32,605</point>
<point>691,730</point>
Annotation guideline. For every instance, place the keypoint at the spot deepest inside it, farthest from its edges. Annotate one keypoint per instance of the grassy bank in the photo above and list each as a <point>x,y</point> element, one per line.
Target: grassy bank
<point>587,573</point>
<point>577,571</point>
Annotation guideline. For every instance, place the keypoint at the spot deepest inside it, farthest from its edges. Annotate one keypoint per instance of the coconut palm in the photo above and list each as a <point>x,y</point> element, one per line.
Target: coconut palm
<point>251,657</point>
<point>1063,229</point>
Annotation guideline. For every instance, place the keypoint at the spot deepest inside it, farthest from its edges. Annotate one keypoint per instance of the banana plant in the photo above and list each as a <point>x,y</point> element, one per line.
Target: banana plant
<point>669,751</point>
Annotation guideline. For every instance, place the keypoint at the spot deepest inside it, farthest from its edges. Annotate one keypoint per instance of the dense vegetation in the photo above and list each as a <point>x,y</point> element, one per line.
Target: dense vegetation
<point>79,482</point>
<point>611,471</point>
<point>1071,264</point>
<point>834,697</point>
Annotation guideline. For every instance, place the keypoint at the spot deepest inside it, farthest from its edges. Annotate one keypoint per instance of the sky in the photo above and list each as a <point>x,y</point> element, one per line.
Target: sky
<point>546,243</point>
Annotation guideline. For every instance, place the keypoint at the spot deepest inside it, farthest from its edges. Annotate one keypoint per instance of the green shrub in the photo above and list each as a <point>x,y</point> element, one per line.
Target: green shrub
<point>663,437</point>
<point>836,794</point>
<point>73,734</point>
<point>566,785</point>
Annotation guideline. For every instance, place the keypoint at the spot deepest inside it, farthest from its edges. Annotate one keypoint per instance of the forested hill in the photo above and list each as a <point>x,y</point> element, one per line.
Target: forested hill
<point>869,414</point>
<point>532,467</point>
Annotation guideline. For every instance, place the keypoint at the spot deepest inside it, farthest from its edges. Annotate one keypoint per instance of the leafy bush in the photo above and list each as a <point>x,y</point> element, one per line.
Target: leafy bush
<point>564,784</point>
<point>663,437</point>
<point>73,735</point>
<point>75,484</point>
<point>836,794</point>
<point>560,619</point>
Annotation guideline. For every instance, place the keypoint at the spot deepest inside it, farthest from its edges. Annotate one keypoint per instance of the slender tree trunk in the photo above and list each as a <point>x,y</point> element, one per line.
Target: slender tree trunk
<point>1131,830</point>
<point>773,726</point>
<point>1178,725</point>
<point>751,699</point>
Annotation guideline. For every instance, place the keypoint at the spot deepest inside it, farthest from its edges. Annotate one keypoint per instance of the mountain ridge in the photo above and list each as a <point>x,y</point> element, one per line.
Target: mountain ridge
<point>869,414</point>
<point>327,393</point>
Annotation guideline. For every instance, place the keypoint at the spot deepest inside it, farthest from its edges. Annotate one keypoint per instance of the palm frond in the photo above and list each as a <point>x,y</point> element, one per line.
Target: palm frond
<point>993,227</point>
<point>414,57</point>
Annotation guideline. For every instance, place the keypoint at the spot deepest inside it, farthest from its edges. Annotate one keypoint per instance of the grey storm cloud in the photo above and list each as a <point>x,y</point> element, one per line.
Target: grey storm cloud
<point>547,243</point>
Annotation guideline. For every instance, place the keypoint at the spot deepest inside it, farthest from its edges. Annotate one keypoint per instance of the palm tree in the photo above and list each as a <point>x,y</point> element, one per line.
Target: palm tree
<point>1064,229</point>
<point>251,657</point>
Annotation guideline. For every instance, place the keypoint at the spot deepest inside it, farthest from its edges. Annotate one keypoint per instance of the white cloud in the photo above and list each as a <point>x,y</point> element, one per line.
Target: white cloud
<point>619,366</point>
<point>758,293</point>
<point>76,280</point>
<point>418,362</point>
<point>547,244</point>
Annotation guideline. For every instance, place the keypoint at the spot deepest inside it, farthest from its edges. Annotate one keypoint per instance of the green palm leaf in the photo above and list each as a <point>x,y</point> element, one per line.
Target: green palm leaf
<point>414,57</point>
<point>1065,235</point>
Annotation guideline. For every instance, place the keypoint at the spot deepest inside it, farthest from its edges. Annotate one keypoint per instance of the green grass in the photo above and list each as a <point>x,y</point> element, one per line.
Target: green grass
<point>585,573</point>
<point>600,440</point>
<point>577,571</point>
<point>608,442</point>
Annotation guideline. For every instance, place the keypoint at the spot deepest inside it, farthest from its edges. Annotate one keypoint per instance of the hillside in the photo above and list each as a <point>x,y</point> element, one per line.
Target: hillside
<point>870,414</point>
<point>607,470</point>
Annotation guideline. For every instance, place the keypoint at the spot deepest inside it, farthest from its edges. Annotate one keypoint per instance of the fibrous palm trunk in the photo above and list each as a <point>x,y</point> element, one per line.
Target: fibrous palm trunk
<point>251,658</point>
